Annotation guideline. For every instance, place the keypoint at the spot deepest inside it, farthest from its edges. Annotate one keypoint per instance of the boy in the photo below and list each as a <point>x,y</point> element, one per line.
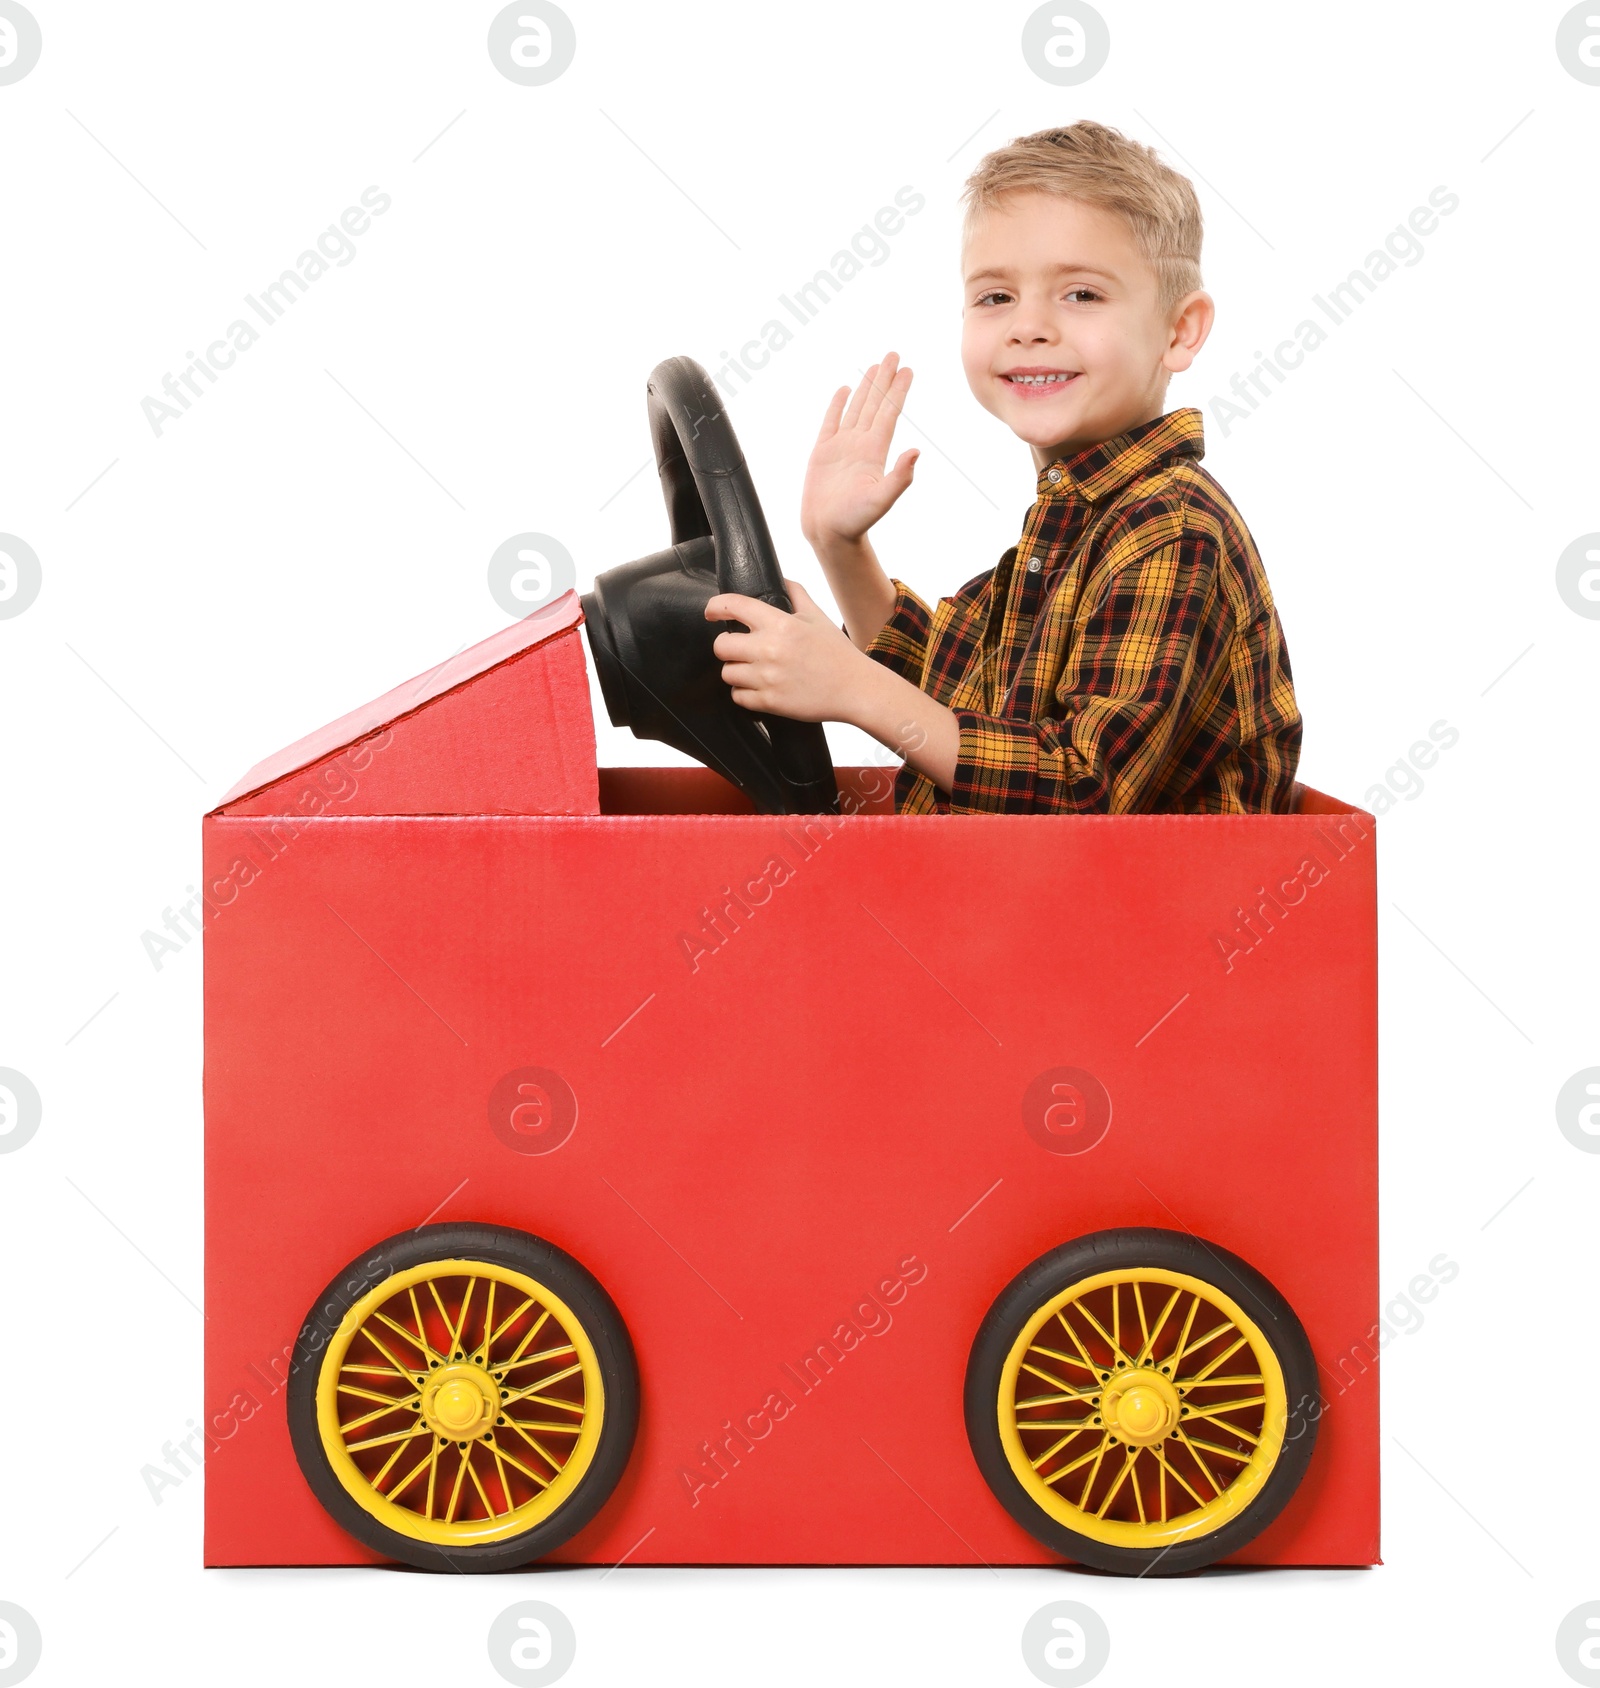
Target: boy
<point>1125,654</point>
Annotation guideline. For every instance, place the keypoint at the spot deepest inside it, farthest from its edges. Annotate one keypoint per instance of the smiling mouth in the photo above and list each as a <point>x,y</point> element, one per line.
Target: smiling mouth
<point>1034,383</point>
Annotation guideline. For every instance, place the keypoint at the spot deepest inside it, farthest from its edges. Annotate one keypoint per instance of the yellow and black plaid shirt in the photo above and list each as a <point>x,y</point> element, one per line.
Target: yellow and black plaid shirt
<point>1124,655</point>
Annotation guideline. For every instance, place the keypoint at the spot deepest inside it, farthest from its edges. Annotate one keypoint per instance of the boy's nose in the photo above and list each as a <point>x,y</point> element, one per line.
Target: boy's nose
<point>1031,326</point>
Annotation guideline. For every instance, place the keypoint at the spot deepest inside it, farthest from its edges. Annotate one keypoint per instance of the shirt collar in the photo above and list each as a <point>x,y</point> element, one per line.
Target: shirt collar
<point>1099,470</point>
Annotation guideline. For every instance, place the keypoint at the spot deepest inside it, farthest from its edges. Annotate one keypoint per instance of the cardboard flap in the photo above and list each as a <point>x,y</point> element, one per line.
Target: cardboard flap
<point>503,727</point>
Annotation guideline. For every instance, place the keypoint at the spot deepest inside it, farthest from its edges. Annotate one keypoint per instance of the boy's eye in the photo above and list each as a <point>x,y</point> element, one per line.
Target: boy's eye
<point>1077,295</point>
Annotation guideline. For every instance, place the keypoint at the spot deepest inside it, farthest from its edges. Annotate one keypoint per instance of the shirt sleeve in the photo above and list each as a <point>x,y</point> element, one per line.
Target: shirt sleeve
<point>902,642</point>
<point>1106,741</point>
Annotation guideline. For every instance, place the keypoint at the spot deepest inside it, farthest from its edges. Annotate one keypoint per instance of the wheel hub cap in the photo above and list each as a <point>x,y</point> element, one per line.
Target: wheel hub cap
<point>460,1401</point>
<point>1141,1407</point>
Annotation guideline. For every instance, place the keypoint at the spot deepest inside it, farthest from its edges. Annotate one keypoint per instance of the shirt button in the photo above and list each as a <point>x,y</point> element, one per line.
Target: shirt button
<point>1053,475</point>
<point>1033,565</point>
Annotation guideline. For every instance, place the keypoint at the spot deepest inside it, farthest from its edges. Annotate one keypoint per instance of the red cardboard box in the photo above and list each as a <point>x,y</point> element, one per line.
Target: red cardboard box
<point>800,1050</point>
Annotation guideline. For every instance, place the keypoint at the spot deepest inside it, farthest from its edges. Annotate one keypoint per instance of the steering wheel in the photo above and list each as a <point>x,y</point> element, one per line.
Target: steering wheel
<point>647,626</point>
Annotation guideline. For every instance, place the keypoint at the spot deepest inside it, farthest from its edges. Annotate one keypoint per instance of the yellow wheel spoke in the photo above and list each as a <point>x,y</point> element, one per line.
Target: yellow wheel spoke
<point>461,1324</point>
<point>1056,1354</point>
<point>379,1412</point>
<point>1133,1479</point>
<point>545,1401</point>
<point>539,1424</point>
<point>507,1322</point>
<point>477,1483</point>
<point>1161,1324</point>
<point>1082,1460</point>
<point>1111,1493</point>
<point>481,1353</point>
<point>1077,1430</point>
<point>500,1471</point>
<point>433,1290</point>
<point>373,1395</point>
<point>1050,1400</point>
<point>543,1354</point>
<point>1217,1448</point>
<point>388,1466</point>
<point>542,1383</point>
<point>1177,1477</point>
<point>1077,1342</point>
<point>511,1459</point>
<point>1212,1408</point>
<point>410,1335</point>
<point>1183,1335</point>
<point>1116,1347</point>
<point>407,1373</point>
<point>373,1371</point>
<point>1222,1423</point>
<point>532,1332</point>
<point>544,1453</point>
<point>1161,1466</point>
<point>1217,1382</point>
<point>1226,1354</point>
<point>1194,1454</point>
<point>1051,1423</point>
<point>433,1477</point>
<point>383,1441</point>
<point>1094,1471</point>
<point>1144,1328</point>
<point>422,1330</point>
<point>1050,1377</point>
<point>455,1492</point>
<point>428,1463</point>
<point>1200,1342</point>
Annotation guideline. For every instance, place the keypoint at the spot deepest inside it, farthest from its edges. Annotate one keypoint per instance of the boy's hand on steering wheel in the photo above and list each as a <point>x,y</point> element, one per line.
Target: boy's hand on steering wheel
<point>802,666</point>
<point>846,488</point>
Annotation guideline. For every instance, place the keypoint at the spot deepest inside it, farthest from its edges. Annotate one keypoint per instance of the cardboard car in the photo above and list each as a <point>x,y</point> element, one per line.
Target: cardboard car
<point>599,1168</point>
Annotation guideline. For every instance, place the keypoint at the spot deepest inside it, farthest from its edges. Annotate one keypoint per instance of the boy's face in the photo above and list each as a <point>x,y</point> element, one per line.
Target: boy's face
<point>1053,286</point>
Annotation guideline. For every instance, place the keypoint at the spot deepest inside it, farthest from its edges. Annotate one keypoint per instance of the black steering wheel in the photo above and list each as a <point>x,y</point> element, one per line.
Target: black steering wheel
<point>651,641</point>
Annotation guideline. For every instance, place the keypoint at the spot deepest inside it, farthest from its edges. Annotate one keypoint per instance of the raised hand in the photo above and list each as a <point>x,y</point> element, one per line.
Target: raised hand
<point>846,487</point>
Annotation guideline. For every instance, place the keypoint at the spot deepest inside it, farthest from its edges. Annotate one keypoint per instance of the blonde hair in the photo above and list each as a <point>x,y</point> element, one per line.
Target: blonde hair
<point>1100,166</point>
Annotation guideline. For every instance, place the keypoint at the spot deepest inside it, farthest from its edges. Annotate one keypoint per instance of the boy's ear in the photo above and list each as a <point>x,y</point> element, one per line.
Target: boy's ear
<point>1191,324</point>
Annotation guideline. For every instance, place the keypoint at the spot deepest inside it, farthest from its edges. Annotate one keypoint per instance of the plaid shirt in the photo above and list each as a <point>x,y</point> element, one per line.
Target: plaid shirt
<point>1124,655</point>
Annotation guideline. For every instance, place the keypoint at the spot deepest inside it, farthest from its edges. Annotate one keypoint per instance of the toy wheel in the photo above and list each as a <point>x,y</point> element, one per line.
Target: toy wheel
<point>1128,1399</point>
<point>463,1398</point>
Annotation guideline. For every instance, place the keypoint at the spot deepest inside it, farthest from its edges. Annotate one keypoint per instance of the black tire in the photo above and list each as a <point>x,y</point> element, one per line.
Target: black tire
<point>1269,1486</point>
<point>490,1246</point>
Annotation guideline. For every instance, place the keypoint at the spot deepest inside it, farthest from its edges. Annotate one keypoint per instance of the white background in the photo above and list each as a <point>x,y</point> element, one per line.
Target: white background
<point>277,557</point>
